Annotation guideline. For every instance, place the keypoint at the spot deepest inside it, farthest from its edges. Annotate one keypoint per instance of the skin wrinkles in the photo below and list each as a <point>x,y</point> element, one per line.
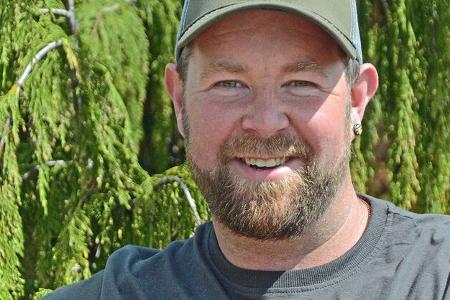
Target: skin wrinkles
<point>229,70</point>
<point>224,66</point>
<point>253,91</point>
<point>320,87</point>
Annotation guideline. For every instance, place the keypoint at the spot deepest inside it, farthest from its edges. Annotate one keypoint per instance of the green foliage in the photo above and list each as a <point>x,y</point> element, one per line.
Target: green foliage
<point>166,207</point>
<point>434,110</point>
<point>406,124</point>
<point>159,117</point>
<point>71,188</point>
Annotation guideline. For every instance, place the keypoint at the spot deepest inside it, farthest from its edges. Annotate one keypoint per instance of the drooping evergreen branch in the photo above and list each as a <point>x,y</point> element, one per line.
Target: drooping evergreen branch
<point>101,14</point>
<point>159,123</point>
<point>184,187</point>
<point>57,11</point>
<point>38,57</point>
<point>68,13</point>
<point>72,18</point>
<point>5,132</point>
<point>104,11</point>
<point>71,5</point>
<point>36,169</point>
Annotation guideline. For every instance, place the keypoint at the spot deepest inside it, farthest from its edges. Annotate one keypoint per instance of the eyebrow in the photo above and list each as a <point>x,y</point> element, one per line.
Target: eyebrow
<point>223,66</point>
<point>304,66</point>
<point>232,67</point>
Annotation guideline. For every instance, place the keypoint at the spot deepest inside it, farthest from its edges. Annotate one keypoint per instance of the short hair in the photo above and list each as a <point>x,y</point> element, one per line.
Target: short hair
<point>352,66</point>
<point>183,62</point>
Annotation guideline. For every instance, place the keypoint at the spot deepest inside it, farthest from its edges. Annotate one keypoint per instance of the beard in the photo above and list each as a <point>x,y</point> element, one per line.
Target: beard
<point>275,209</point>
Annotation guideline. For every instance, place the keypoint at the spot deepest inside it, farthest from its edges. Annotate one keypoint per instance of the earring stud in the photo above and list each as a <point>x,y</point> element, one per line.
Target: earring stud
<point>357,129</point>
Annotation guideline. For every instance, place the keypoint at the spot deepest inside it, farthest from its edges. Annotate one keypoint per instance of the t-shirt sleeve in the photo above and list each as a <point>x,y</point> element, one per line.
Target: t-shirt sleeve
<point>87,289</point>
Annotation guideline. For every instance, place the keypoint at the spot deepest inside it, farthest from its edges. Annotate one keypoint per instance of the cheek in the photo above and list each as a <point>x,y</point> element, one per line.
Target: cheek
<point>324,129</point>
<point>210,127</point>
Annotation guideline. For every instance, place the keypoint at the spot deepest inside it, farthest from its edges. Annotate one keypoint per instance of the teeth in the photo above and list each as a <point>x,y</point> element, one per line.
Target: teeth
<point>265,163</point>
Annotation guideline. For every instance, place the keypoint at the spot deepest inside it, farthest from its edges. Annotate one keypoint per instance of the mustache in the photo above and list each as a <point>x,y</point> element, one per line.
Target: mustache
<point>251,145</point>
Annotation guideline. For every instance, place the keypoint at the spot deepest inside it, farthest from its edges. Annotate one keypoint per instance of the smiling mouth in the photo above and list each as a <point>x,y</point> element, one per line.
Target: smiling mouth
<point>264,163</point>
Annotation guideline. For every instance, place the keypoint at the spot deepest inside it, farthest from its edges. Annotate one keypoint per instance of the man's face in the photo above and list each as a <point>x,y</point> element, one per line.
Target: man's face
<point>266,116</point>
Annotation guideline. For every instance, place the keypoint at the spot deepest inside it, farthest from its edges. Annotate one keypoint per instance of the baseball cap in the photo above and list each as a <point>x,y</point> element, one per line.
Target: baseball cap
<point>337,17</point>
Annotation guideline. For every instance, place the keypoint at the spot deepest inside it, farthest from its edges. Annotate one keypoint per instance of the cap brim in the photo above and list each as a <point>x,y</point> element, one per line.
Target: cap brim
<point>207,20</point>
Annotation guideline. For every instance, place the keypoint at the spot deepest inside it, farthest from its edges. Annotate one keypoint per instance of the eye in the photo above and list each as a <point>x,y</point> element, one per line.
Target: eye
<point>230,89</point>
<point>300,83</point>
<point>301,88</point>
<point>230,84</point>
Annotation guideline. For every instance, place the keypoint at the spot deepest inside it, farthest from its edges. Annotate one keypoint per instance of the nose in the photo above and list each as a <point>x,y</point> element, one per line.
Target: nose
<point>266,115</point>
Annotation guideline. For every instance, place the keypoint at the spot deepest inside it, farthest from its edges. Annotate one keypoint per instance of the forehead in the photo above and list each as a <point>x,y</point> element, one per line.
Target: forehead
<point>258,30</point>
<point>264,19</point>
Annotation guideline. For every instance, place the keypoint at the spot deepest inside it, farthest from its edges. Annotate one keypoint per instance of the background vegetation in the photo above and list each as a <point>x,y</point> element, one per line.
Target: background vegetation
<point>85,129</point>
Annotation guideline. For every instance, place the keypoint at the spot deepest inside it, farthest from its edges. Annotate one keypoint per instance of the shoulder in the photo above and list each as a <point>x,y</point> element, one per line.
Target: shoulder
<point>399,215</point>
<point>118,263</point>
<point>133,261</point>
<point>86,289</point>
<point>435,222</point>
<point>413,252</point>
<point>430,232</point>
<point>127,268</point>
<point>123,264</point>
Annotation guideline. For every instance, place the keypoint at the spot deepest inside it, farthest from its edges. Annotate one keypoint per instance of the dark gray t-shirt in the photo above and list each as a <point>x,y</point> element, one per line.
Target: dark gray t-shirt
<point>401,255</point>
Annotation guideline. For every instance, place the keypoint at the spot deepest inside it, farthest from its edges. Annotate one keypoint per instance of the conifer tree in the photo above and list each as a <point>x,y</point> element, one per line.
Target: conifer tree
<point>161,19</point>
<point>402,155</point>
<point>73,83</point>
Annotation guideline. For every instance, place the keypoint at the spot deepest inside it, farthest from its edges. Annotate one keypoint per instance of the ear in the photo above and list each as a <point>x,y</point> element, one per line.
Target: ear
<point>174,86</point>
<point>362,91</point>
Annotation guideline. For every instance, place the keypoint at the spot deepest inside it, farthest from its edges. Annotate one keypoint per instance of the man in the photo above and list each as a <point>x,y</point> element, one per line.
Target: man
<point>269,96</point>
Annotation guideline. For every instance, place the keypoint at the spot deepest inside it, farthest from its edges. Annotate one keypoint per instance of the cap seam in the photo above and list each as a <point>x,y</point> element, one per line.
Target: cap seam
<point>183,17</point>
<point>356,34</point>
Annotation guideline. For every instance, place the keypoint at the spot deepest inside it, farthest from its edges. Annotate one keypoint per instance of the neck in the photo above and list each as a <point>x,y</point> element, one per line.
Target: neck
<point>336,232</point>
